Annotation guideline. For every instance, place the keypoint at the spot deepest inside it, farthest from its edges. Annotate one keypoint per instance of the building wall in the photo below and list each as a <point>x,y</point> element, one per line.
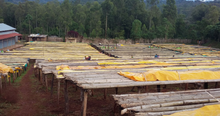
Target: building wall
<point>7,42</point>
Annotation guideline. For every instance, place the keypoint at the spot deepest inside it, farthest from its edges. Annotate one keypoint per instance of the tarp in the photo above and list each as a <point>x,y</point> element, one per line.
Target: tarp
<point>5,69</point>
<point>171,75</point>
<point>211,110</point>
<point>62,67</point>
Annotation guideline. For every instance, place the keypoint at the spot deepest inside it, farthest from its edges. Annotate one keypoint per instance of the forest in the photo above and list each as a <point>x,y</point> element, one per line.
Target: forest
<point>120,19</point>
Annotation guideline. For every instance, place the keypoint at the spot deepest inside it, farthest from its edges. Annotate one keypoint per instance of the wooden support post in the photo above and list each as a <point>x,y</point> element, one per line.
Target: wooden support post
<point>5,78</point>
<point>38,70</point>
<point>58,91</point>
<point>206,85</point>
<point>81,94</point>
<point>216,85</point>
<point>41,79</point>
<point>84,103</point>
<point>9,78</point>
<point>146,88</point>
<point>52,85</point>
<point>13,77</point>
<point>46,82</point>
<point>158,88</point>
<point>186,86</point>
<point>139,89</point>
<point>66,97</point>
<point>105,93</point>
<point>116,90</point>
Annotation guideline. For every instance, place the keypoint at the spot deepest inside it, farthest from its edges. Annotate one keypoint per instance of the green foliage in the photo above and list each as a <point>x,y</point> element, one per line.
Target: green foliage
<point>121,19</point>
<point>170,11</point>
<point>136,29</point>
<point>144,32</point>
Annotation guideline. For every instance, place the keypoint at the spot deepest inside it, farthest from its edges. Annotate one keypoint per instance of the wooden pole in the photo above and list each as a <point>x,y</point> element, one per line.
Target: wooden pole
<point>46,82</point>
<point>13,77</point>
<point>216,85</point>
<point>38,70</point>
<point>84,103</point>
<point>146,88</point>
<point>41,80</point>
<point>116,90</point>
<point>5,78</point>
<point>206,85</point>
<point>52,85</point>
<point>66,97</point>
<point>158,88</point>
<point>58,91</point>
<point>139,89</point>
<point>9,78</point>
<point>186,86</point>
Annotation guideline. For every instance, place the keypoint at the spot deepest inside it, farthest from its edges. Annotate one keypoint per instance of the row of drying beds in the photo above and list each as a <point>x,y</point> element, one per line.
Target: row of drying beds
<point>103,79</point>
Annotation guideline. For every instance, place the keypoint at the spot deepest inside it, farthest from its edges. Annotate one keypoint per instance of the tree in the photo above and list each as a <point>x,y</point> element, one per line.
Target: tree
<point>180,27</point>
<point>212,16</point>
<point>29,18</point>
<point>144,31</point>
<point>170,11</point>
<point>199,12</point>
<point>153,10</point>
<point>106,8</point>
<point>136,29</point>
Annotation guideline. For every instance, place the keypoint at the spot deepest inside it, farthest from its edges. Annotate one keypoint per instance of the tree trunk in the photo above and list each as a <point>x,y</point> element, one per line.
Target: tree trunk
<point>29,27</point>
<point>106,26</point>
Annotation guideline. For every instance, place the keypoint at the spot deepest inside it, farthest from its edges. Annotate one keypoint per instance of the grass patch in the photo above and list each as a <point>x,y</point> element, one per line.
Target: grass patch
<point>213,44</point>
<point>22,75</point>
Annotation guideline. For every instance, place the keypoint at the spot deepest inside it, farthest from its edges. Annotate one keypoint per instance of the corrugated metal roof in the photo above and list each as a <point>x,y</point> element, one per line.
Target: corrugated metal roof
<point>4,27</point>
<point>9,35</point>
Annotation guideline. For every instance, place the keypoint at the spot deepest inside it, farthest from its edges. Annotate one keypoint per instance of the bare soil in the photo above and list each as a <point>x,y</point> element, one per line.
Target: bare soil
<point>31,98</point>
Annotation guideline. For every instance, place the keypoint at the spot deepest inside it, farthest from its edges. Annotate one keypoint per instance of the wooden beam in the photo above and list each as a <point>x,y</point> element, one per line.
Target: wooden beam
<point>46,81</point>
<point>58,91</point>
<point>84,103</point>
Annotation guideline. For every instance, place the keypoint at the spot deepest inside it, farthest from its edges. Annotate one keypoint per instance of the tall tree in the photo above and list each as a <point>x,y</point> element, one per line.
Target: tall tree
<point>170,11</point>
<point>212,16</point>
<point>136,29</point>
<point>106,8</point>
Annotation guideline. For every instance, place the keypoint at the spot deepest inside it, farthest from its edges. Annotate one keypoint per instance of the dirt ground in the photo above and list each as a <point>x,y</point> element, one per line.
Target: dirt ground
<point>30,98</point>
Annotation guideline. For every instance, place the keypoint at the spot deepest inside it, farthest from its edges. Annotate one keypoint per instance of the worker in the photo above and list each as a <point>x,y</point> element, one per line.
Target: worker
<point>88,58</point>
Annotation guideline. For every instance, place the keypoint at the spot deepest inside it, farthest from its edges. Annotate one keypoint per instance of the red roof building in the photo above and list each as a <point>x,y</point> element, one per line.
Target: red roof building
<point>8,36</point>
